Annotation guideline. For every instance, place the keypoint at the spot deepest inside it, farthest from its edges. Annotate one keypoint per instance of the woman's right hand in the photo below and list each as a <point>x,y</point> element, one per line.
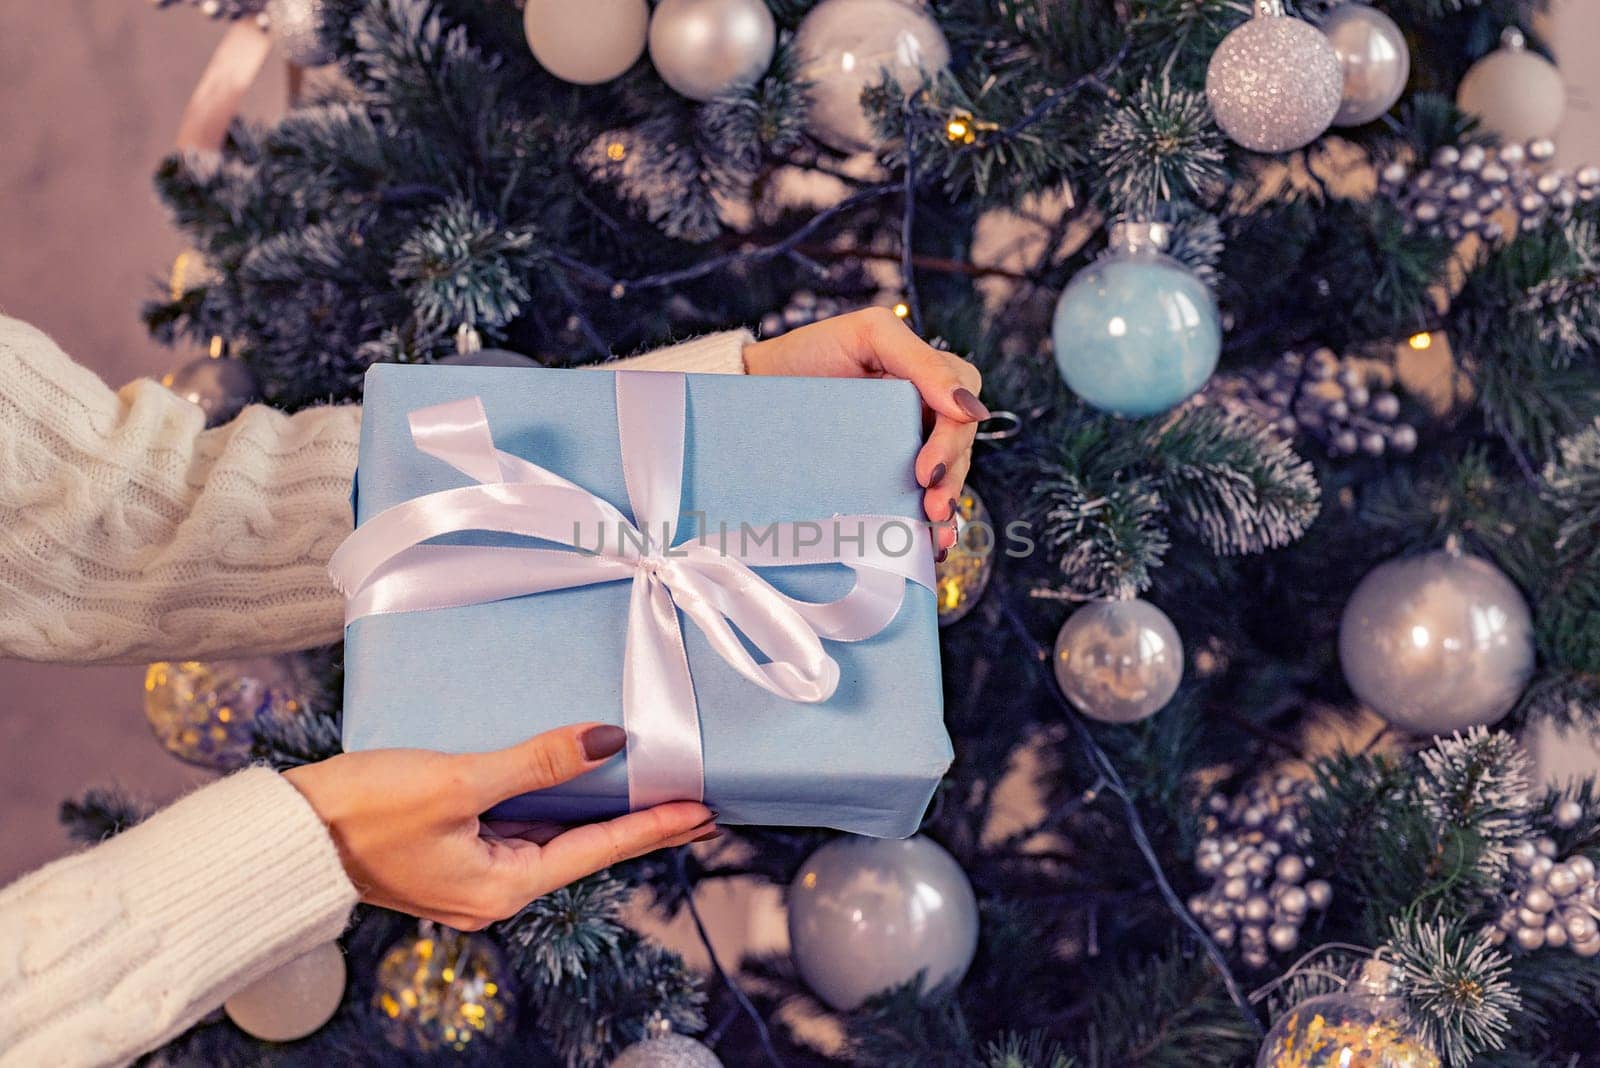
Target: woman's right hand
<point>406,824</point>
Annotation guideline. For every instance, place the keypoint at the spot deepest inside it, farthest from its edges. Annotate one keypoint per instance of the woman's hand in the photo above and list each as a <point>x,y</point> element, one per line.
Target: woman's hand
<point>406,824</point>
<point>874,343</point>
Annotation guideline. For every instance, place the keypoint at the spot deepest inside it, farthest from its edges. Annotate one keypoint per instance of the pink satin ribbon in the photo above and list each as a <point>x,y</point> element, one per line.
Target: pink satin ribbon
<point>384,566</point>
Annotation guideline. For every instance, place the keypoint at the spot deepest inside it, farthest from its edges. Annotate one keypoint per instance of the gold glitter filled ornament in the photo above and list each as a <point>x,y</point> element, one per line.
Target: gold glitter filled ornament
<point>1363,1026</point>
<point>441,989</point>
<point>205,713</point>
<point>964,574</point>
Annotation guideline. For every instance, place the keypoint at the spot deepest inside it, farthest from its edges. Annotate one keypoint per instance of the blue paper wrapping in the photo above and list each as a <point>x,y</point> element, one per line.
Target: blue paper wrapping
<point>758,451</point>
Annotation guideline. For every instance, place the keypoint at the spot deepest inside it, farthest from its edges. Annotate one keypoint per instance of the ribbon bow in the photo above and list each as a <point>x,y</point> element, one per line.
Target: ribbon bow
<point>384,566</point>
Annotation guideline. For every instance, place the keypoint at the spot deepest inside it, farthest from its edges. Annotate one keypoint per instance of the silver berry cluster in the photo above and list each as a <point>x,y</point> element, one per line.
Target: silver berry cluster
<point>803,309</point>
<point>1259,896</point>
<point>1469,190</point>
<point>1344,403</point>
<point>1556,902</point>
<point>223,9</point>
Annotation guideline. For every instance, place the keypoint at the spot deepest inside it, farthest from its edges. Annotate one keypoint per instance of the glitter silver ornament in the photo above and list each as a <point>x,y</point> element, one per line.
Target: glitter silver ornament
<point>301,30</point>
<point>1274,83</point>
<point>846,46</point>
<point>1118,661</point>
<point>1437,643</point>
<point>292,1000</point>
<point>587,45</point>
<point>220,386</point>
<point>206,713</point>
<point>866,914</point>
<point>962,576</point>
<point>1515,93</point>
<point>1373,55</point>
<point>667,1051</point>
<point>705,48</point>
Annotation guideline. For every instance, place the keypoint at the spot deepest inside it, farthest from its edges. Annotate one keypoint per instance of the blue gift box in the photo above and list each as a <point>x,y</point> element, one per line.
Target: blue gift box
<point>757,451</point>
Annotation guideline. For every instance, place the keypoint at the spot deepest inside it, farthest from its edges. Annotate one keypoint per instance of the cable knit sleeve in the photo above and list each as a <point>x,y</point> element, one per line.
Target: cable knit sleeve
<point>130,533</point>
<point>115,950</point>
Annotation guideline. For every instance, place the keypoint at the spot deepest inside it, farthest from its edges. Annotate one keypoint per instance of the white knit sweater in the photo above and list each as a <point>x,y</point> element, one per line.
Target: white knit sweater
<point>129,533</point>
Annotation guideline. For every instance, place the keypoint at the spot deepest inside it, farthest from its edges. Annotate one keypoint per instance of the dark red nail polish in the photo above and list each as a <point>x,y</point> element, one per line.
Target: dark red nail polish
<point>603,741</point>
<point>936,475</point>
<point>944,554</point>
<point>969,403</point>
<point>953,512</point>
<point>715,832</point>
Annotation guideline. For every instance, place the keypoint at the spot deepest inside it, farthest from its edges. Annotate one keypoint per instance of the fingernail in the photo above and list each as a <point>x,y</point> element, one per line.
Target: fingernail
<point>953,512</point>
<point>969,403</point>
<point>936,475</point>
<point>715,832</point>
<point>603,741</point>
<point>944,554</point>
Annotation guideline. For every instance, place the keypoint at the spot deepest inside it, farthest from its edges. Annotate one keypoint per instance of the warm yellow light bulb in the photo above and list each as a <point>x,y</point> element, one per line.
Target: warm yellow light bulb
<point>902,309</point>
<point>957,129</point>
<point>1420,341</point>
<point>616,151</point>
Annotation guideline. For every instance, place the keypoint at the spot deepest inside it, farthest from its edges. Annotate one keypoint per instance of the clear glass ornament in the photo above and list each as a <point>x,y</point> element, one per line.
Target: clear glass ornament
<point>846,46</point>
<point>964,574</point>
<point>1136,331</point>
<point>1363,1026</point>
<point>1437,643</point>
<point>1118,661</point>
<point>205,713</point>
<point>705,48</point>
<point>441,989</point>
<point>866,914</point>
<point>291,1001</point>
<point>220,385</point>
<point>587,45</point>
<point>1274,83</point>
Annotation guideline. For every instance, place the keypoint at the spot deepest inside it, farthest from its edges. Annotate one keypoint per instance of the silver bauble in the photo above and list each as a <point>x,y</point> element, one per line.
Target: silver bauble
<point>1274,83</point>
<point>293,1000</point>
<point>220,385</point>
<point>1437,643</point>
<point>866,914</point>
<point>1515,93</point>
<point>1373,55</point>
<point>843,47</point>
<point>589,43</point>
<point>704,48</point>
<point>488,358</point>
<point>1118,661</point>
<point>300,28</point>
<point>667,1051</point>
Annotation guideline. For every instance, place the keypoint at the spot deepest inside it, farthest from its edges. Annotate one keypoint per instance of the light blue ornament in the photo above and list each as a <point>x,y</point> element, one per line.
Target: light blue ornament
<point>1136,332</point>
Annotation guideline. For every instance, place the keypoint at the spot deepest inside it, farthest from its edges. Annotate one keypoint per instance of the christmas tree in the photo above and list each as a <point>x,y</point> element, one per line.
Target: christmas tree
<point>1291,331</point>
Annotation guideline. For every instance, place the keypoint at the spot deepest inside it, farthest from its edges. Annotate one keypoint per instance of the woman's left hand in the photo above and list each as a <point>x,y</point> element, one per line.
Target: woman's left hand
<point>875,343</point>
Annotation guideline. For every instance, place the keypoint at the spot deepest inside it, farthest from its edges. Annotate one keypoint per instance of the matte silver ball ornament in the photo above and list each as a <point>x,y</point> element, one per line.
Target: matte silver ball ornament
<point>1373,55</point>
<point>1437,643</point>
<point>1516,93</point>
<point>292,1000</point>
<point>589,43</point>
<point>667,1051</point>
<point>1274,83</point>
<point>866,914</point>
<point>1118,661</point>
<point>704,48</point>
<point>846,46</point>
<point>300,28</point>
